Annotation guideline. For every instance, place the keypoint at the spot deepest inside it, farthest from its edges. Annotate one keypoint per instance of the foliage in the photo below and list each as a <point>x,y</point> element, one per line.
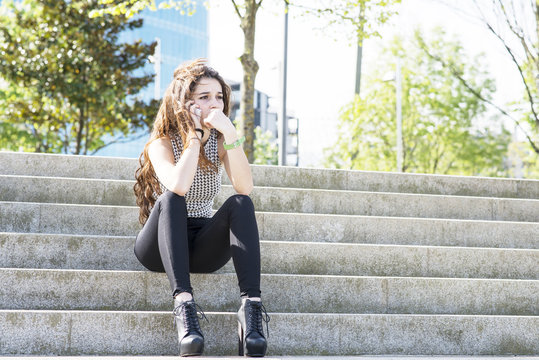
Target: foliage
<point>515,25</point>
<point>530,68</point>
<point>68,81</point>
<point>130,8</point>
<point>438,112</point>
<point>266,150</point>
<point>360,18</point>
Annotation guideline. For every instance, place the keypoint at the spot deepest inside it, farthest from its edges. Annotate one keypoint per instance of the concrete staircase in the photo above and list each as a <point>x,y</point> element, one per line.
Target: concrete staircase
<point>353,263</point>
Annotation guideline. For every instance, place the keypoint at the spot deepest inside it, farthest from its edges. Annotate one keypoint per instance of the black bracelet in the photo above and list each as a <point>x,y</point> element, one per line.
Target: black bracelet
<point>201,132</point>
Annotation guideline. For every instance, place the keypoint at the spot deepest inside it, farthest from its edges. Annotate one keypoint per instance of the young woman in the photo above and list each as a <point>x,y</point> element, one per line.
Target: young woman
<point>178,178</point>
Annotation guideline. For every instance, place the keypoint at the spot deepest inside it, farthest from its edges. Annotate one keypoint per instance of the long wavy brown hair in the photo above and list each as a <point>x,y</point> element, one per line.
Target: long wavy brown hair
<point>173,118</point>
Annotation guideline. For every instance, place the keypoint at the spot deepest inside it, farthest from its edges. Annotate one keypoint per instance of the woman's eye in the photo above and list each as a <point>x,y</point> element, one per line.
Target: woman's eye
<point>220,97</point>
<point>203,97</point>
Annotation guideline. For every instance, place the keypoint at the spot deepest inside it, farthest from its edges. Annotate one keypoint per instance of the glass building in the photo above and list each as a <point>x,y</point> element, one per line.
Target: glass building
<point>180,38</point>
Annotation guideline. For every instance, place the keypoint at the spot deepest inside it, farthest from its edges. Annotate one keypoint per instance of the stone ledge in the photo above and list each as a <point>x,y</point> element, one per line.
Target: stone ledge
<point>120,193</point>
<point>123,221</point>
<point>119,333</point>
<point>54,251</point>
<point>275,176</point>
<point>149,291</point>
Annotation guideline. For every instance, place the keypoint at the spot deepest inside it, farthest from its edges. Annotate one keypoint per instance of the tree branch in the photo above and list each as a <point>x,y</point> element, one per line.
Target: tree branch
<point>536,11</point>
<point>437,158</point>
<point>521,72</point>
<point>496,34</point>
<point>457,74</point>
<point>516,30</point>
<point>332,11</point>
<point>463,13</point>
<point>237,9</point>
<point>449,166</point>
<point>507,18</point>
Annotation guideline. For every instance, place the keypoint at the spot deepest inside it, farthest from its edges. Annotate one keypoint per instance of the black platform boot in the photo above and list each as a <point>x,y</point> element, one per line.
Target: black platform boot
<point>190,336</point>
<point>252,341</point>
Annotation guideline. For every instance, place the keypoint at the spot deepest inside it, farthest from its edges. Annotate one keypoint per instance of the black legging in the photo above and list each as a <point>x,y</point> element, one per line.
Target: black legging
<point>173,243</point>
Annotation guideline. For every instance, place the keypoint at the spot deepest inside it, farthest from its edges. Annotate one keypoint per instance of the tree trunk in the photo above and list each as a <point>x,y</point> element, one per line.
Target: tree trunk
<point>536,10</point>
<point>404,166</point>
<point>80,130</point>
<point>87,131</point>
<point>250,69</point>
<point>66,138</point>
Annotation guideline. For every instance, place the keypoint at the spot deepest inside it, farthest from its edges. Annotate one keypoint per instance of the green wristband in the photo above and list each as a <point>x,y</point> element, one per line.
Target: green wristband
<point>235,144</point>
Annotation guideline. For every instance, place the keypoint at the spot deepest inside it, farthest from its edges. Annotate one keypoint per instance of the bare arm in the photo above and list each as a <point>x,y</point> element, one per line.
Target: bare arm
<point>176,177</point>
<point>236,165</point>
<point>234,160</point>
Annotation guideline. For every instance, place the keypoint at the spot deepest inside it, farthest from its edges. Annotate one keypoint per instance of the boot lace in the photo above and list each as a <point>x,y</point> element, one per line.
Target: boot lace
<point>257,314</point>
<point>192,313</point>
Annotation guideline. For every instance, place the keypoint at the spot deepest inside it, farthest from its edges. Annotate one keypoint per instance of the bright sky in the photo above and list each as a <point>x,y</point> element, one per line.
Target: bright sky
<point>321,67</point>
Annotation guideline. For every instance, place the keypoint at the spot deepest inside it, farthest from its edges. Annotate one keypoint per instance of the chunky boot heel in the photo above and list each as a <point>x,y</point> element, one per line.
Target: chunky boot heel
<point>190,337</point>
<point>252,341</point>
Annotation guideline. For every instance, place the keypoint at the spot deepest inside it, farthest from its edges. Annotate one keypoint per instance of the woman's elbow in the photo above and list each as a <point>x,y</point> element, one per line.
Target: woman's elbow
<point>180,189</point>
<point>245,189</point>
<point>179,192</point>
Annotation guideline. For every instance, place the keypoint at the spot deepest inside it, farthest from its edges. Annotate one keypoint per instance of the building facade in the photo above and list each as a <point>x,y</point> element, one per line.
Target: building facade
<point>267,118</point>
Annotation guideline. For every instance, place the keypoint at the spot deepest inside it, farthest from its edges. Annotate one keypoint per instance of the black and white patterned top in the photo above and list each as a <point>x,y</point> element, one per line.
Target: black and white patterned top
<point>206,185</point>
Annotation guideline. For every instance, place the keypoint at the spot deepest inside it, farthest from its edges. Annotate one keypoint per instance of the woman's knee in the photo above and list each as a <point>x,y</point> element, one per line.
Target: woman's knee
<point>240,201</point>
<point>168,198</point>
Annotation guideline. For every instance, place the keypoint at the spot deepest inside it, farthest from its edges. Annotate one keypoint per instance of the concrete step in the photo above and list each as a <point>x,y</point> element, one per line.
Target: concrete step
<point>116,192</point>
<point>149,291</point>
<point>72,219</point>
<point>299,357</point>
<point>123,221</point>
<point>123,169</point>
<point>75,166</point>
<point>66,190</point>
<point>421,274</point>
<point>55,251</point>
<point>390,204</point>
<point>151,333</point>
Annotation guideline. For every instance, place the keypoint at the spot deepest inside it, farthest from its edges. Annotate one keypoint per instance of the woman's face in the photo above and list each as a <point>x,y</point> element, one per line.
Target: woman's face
<point>208,95</point>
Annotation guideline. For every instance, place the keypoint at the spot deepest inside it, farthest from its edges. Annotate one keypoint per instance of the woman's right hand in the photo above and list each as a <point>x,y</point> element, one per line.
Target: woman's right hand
<point>195,112</point>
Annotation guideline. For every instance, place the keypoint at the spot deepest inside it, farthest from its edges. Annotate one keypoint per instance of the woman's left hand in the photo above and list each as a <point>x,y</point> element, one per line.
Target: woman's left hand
<point>216,119</point>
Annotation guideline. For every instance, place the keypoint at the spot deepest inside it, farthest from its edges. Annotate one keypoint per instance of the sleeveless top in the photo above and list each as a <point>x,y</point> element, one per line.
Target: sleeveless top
<point>206,184</point>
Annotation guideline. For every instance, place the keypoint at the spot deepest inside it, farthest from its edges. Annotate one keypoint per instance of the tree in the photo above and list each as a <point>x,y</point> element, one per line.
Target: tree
<point>337,12</point>
<point>69,82</point>
<point>515,25</point>
<point>439,133</point>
